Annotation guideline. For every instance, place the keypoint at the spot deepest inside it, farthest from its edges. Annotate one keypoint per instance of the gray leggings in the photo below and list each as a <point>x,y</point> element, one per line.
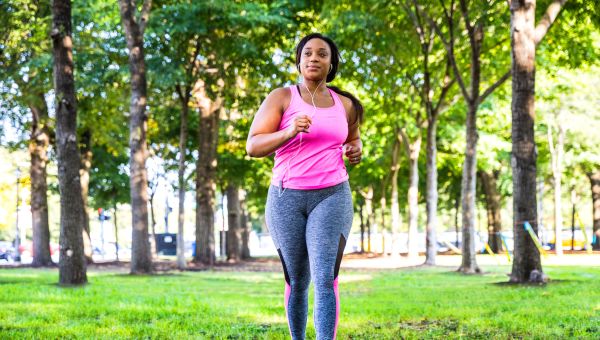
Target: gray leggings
<point>310,229</point>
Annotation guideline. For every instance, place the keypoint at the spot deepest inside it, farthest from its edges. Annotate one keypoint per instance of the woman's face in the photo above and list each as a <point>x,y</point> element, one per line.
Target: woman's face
<point>315,59</point>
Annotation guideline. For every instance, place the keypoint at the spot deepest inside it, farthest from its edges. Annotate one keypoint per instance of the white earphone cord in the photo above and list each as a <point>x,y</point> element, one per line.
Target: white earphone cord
<point>312,98</point>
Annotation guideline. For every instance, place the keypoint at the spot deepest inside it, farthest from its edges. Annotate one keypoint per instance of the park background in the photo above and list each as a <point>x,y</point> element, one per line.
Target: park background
<point>425,71</point>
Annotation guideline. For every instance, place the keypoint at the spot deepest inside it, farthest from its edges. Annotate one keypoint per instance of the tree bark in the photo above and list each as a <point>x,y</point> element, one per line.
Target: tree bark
<point>152,236</point>
<point>556,153</point>
<point>412,151</point>
<point>361,214</point>
<point>72,266</point>
<point>84,175</point>
<point>370,214</point>
<point>526,261</point>
<point>245,226</point>
<point>394,206</point>
<point>469,262</point>
<point>206,166</point>
<point>183,134</point>
<point>38,151</point>
<point>383,204</point>
<point>432,194</point>
<point>595,183</point>
<point>116,230</point>
<point>141,259</point>
<point>493,205</point>
<point>234,234</point>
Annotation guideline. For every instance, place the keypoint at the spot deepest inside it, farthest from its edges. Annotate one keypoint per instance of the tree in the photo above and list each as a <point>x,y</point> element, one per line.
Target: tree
<point>72,266</point>
<point>425,34</point>
<point>134,26</point>
<point>234,230</point>
<point>26,68</point>
<point>473,97</point>
<point>524,38</point>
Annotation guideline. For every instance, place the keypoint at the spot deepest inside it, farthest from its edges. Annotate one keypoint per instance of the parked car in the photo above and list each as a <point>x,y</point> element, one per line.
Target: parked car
<point>7,251</point>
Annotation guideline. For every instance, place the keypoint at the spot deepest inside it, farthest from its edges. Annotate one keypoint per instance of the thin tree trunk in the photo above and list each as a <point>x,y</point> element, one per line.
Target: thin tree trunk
<point>412,151</point>
<point>183,132</point>
<point>152,238</point>
<point>233,217</point>
<point>595,184</point>
<point>245,226</point>
<point>432,194</point>
<point>383,208</point>
<point>556,154</point>
<point>116,230</point>
<point>370,215</point>
<point>38,151</point>
<point>84,176</point>
<point>361,214</point>
<point>141,258</point>
<point>456,207</point>
<point>526,260</point>
<point>394,206</point>
<point>208,134</point>
<point>469,262</point>
<point>72,266</point>
<point>492,202</point>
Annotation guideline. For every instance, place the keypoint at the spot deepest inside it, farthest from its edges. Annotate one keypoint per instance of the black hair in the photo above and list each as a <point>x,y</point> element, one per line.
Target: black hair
<point>335,61</point>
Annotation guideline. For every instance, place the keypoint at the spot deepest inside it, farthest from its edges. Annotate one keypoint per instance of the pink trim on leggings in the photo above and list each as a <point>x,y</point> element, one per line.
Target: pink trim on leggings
<point>286,299</point>
<point>337,306</point>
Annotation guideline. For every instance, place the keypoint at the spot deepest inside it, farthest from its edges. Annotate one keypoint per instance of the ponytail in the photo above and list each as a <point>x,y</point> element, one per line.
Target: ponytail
<point>355,103</point>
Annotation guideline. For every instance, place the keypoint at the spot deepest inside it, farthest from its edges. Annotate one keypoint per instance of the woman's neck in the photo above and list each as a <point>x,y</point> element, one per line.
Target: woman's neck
<point>314,85</point>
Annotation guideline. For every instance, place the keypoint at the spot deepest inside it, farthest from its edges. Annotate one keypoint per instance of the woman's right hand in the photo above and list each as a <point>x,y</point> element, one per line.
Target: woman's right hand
<point>301,123</point>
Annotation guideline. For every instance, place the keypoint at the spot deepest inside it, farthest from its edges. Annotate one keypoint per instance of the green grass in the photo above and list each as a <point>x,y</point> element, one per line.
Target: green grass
<point>411,303</point>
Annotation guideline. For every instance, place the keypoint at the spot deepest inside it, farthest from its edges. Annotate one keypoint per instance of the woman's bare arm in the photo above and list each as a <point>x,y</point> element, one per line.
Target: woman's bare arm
<point>264,137</point>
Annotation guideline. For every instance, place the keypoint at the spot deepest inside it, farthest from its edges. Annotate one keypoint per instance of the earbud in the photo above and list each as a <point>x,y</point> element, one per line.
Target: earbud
<point>298,67</point>
<point>330,68</point>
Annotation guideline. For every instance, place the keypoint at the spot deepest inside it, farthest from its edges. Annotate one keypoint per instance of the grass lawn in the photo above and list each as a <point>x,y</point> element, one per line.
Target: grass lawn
<point>407,303</point>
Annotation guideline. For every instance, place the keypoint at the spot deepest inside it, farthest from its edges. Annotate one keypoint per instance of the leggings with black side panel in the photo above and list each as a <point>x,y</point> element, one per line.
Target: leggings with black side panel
<point>310,229</point>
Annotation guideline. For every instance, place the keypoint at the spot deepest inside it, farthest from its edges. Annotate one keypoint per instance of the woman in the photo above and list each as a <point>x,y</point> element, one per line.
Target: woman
<point>309,211</point>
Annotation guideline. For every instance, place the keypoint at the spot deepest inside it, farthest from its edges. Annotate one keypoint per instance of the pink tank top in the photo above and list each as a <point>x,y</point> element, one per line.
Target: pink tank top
<point>315,162</point>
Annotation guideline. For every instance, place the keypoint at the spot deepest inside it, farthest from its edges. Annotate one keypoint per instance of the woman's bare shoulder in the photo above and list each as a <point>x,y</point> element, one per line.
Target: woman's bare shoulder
<point>280,96</point>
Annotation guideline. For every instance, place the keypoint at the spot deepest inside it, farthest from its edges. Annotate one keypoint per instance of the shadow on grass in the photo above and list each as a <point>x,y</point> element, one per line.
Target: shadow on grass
<point>533,284</point>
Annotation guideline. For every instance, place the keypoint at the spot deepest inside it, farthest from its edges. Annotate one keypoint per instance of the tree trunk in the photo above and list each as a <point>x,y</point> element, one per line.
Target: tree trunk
<point>370,215</point>
<point>361,214</point>
<point>206,166</point>
<point>469,262</point>
<point>116,231</point>
<point>38,151</point>
<point>183,132</point>
<point>556,153</point>
<point>72,266</point>
<point>492,202</point>
<point>526,261</point>
<point>383,223</point>
<point>394,206</point>
<point>84,174</point>
<point>245,226</point>
<point>234,234</point>
<point>412,151</point>
<point>595,182</point>
<point>152,236</point>
<point>432,194</point>
<point>141,259</point>
<point>456,207</point>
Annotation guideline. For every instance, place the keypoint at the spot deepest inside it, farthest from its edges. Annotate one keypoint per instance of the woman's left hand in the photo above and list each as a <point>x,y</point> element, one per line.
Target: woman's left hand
<point>353,150</point>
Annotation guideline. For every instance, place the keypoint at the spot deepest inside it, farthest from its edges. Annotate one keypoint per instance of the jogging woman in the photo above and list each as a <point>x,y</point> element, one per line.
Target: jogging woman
<point>310,126</point>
